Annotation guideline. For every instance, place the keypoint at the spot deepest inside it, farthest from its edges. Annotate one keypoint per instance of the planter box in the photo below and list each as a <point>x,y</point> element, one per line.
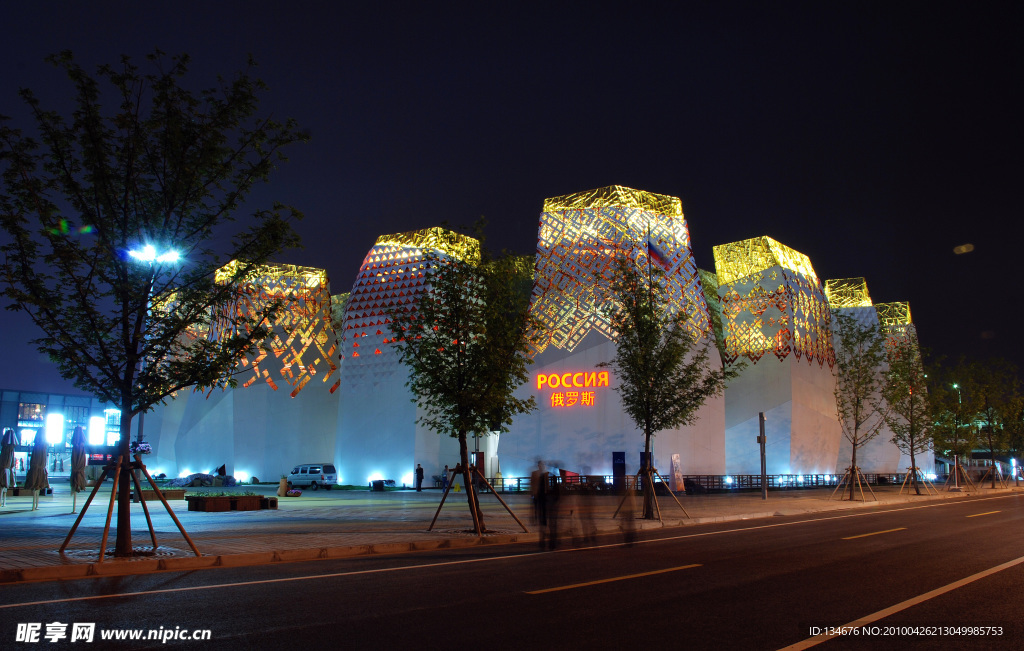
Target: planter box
<point>202,503</point>
<point>149,494</point>
<point>27,492</point>
<point>246,503</point>
<point>230,503</point>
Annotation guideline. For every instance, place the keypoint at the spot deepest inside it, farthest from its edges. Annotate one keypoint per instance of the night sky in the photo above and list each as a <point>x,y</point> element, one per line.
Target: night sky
<point>873,138</point>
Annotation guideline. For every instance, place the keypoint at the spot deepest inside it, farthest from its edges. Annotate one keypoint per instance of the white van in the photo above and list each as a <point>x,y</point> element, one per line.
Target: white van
<point>313,475</point>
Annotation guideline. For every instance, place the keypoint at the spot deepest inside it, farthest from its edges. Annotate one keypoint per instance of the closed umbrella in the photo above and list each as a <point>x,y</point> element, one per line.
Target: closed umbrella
<point>77,464</point>
<point>6,464</point>
<point>37,479</point>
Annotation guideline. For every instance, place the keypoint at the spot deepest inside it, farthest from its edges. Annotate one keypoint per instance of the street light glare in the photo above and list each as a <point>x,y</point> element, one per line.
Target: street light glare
<point>148,254</point>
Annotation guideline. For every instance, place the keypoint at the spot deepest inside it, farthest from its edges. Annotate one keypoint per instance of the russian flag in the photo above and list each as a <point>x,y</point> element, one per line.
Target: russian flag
<point>657,255</point>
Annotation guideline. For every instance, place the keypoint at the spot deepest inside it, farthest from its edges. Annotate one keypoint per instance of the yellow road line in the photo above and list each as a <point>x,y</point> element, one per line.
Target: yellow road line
<point>985,513</point>
<point>874,533</point>
<point>617,578</point>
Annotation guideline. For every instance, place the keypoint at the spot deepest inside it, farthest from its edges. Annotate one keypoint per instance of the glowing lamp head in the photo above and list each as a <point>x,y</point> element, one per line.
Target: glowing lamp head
<point>407,480</point>
<point>97,428</point>
<point>54,428</point>
<point>241,476</point>
<point>149,255</point>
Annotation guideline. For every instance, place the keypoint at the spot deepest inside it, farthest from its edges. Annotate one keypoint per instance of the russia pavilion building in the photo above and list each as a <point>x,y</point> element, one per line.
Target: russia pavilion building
<point>331,387</point>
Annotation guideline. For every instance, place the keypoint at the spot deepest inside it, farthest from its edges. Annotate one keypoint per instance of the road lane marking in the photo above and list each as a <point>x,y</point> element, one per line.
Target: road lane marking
<point>903,605</point>
<point>494,558</point>
<point>986,513</point>
<point>616,578</point>
<point>875,533</point>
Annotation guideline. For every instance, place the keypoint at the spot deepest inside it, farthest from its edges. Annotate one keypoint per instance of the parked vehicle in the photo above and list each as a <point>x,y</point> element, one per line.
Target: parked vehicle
<point>313,475</point>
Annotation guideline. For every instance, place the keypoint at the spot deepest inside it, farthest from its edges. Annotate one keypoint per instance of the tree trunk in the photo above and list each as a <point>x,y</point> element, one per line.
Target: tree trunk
<point>913,457</point>
<point>913,467</point>
<point>853,467</point>
<point>123,545</point>
<point>992,450</point>
<point>467,480</point>
<point>645,472</point>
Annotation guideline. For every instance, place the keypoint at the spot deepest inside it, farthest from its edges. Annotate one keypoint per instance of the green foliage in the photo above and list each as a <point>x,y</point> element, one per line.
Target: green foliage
<point>467,346</point>
<point>663,375</point>
<point>141,160</point>
<point>991,390</point>
<point>860,379</point>
<point>906,394</point>
<point>954,403</point>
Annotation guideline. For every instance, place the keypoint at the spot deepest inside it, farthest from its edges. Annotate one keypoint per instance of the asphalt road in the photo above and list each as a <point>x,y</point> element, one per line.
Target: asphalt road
<point>758,584</point>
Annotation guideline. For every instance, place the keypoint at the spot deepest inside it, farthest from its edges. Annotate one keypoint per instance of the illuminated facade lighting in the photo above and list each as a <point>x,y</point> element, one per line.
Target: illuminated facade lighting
<point>579,239</point>
<point>772,302</point>
<point>847,292</point>
<point>303,345</point>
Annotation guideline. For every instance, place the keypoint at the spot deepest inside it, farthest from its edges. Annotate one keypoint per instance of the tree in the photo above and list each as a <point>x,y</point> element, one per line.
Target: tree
<point>466,343</point>
<point>995,385</point>
<point>906,394</point>
<point>954,405</point>
<point>664,375</point>
<point>141,161</point>
<point>860,368</point>
<point>1014,426</point>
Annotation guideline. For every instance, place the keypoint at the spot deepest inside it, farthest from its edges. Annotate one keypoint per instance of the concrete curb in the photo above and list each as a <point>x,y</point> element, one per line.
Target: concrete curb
<point>188,563</point>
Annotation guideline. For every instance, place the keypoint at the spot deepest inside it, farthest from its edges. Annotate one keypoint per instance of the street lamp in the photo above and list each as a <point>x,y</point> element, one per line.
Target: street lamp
<point>956,452</point>
<point>149,255</point>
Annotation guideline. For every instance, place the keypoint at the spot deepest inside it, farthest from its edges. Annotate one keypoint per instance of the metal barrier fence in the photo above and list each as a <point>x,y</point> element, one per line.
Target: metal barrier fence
<point>695,483</point>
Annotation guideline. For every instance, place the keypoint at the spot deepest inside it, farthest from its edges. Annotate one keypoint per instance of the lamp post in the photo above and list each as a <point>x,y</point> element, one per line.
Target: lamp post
<point>148,255</point>
<point>956,438</point>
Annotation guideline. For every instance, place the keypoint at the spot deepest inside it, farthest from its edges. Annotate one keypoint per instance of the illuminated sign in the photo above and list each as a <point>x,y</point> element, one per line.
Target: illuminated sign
<point>572,381</point>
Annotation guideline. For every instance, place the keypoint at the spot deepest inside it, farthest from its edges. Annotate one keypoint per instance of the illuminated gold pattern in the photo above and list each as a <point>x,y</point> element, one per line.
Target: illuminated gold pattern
<point>393,274</point>
<point>709,287</point>
<point>303,327</point>
<point>452,244</point>
<point>619,197</point>
<point>741,259</point>
<point>579,238</point>
<point>773,302</point>
<point>894,314</point>
<point>895,320</point>
<point>847,292</point>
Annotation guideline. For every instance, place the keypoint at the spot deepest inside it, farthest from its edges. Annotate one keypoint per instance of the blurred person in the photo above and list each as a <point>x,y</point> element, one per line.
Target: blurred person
<point>539,480</point>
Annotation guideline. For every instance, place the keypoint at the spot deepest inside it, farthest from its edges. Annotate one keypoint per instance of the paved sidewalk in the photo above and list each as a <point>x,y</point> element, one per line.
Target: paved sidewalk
<point>338,524</point>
